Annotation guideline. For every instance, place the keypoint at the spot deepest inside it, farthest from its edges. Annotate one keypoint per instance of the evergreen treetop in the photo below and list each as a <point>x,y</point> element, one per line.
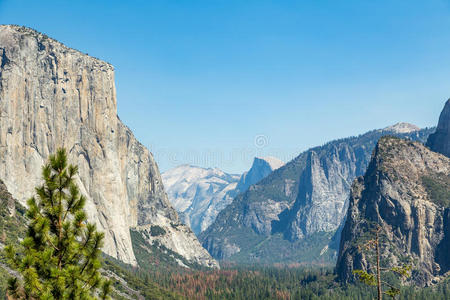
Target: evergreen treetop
<point>61,252</point>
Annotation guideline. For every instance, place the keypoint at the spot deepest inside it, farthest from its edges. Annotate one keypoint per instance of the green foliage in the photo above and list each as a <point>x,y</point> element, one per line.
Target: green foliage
<point>137,279</point>
<point>11,226</point>
<point>276,249</point>
<point>438,188</point>
<point>4,276</point>
<point>283,282</point>
<point>61,250</point>
<point>156,257</point>
<point>374,275</point>
<point>392,292</point>
<point>403,271</point>
<point>365,277</point>
<point>156,230</point>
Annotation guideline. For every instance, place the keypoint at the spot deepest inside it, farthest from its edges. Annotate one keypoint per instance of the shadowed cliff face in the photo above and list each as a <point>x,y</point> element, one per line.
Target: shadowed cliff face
<point>406,190</point>
<point>261,168</point>
<point>440,140</point>
<point>52,96</point>
<point>296,209</point>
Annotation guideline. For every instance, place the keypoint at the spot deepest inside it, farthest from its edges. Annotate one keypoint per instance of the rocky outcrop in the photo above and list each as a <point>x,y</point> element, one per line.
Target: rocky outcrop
<point>406,191</point>
<point>299,206</point>
<point>180,239</point>
<point>52,96</point>
<point>7,201</point>
<point>440,140</point>
<point>261,168</point>
<point>199,194</point>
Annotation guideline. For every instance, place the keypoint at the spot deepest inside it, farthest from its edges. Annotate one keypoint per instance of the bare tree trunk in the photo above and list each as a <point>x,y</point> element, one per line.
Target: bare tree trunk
<point>380,294</point>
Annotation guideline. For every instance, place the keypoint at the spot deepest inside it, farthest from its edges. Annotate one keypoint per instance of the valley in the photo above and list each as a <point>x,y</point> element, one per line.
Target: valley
<point>281,230</point>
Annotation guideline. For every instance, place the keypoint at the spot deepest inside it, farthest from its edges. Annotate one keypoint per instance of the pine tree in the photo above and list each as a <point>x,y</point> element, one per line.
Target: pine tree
<point>372,276</point>
<point>61,252</point>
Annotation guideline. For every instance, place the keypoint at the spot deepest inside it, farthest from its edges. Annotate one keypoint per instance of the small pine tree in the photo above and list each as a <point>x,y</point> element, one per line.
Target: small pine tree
<point>373,277</point>
<point>61,251</point>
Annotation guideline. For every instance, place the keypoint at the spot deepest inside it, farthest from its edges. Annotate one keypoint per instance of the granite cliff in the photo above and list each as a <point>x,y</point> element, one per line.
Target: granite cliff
<point>52,96</point>
<point>406,191</point>
<point>440,141</point>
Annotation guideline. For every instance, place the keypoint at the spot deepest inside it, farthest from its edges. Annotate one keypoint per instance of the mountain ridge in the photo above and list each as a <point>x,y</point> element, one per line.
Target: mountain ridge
<point>260,169</point>
<point>296,207</point>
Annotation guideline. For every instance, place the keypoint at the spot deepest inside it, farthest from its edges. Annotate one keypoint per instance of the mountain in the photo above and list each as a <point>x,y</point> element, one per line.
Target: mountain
<point>262,166</point>
<point>199,194</point>
<point>406,191</point>
<point>402,128</point>
<point>52,96</point>
<point>294,213</point>
<point>440,141</point>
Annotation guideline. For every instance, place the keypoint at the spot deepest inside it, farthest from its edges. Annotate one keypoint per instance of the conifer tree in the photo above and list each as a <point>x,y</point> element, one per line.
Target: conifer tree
<point>61,252</point>
<point>373,276</point>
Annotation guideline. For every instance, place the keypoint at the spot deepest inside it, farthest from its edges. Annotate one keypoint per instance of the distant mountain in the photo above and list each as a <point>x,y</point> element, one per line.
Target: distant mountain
<point>262,166</point>
<point>293,214</point>
<point>402,128</point>
<point>199,194</point>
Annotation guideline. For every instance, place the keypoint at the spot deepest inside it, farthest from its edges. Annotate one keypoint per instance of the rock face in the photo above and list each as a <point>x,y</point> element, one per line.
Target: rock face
<point>406,190</point>
<point>199,194</point>
<point>52,96</point>
<point>440,140</point>
<point>7,200</point>
<point>261,168</point>
<point>293,213</point>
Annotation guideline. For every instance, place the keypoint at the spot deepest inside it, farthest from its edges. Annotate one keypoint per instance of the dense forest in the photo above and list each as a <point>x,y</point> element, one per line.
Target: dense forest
<point>273,282</point>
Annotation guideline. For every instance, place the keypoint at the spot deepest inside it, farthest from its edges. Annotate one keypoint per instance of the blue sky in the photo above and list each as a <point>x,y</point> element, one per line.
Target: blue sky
<point>214,83</point>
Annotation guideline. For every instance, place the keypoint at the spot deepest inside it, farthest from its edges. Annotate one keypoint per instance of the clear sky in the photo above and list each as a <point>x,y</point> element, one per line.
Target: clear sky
<point>214,83</point>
